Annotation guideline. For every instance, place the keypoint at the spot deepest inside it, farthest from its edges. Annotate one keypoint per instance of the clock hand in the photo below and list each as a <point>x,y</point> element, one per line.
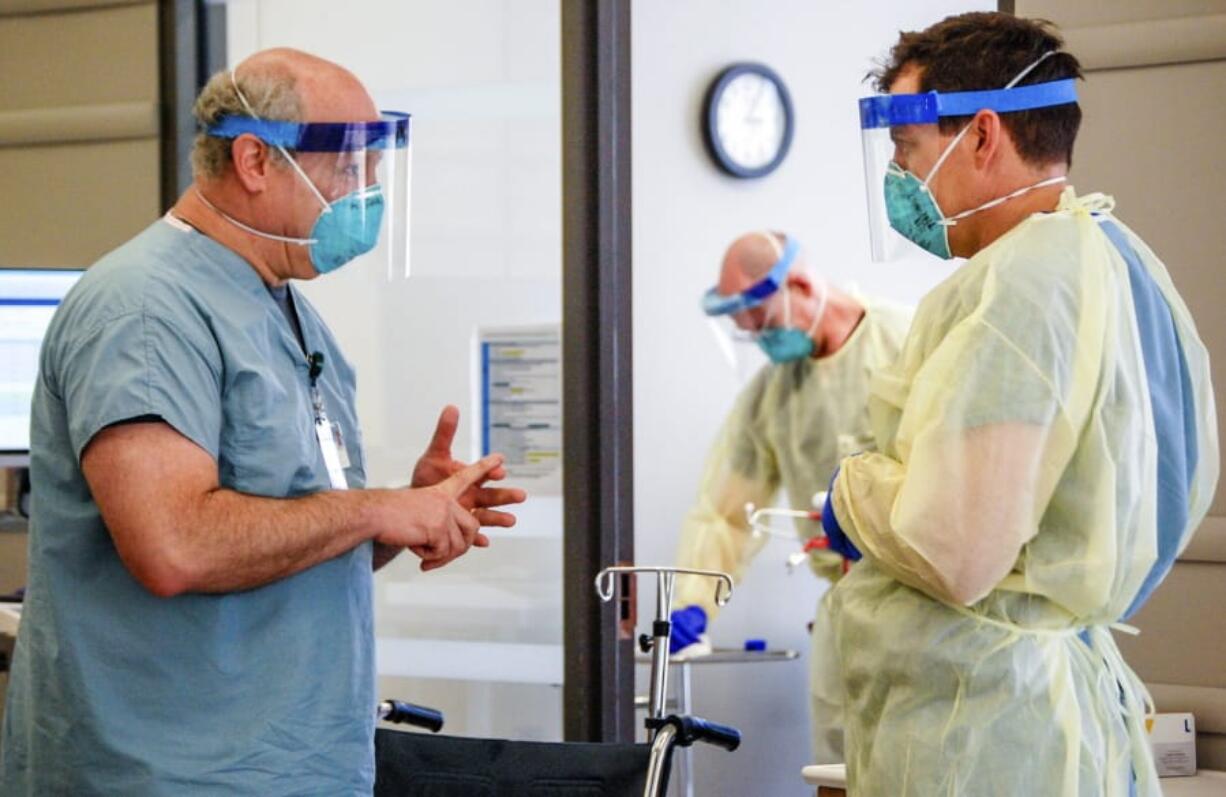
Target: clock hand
<point>753,116</point>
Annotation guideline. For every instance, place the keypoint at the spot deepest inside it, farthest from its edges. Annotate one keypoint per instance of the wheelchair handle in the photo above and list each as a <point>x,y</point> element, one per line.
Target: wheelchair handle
<point>695,729</point>
<point>724,736</point>
<point>402,713</point>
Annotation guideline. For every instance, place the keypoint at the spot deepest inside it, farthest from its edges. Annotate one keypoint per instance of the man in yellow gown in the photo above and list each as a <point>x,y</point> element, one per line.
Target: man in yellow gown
<point>1047,445</point>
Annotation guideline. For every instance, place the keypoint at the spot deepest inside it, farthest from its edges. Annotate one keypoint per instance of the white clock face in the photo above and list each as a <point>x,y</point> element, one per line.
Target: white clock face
<point>751,120</point>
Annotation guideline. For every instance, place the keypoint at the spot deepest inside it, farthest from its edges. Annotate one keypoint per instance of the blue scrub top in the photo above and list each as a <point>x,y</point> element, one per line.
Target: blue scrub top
<point>1174,410</point>
<point>116,691</point>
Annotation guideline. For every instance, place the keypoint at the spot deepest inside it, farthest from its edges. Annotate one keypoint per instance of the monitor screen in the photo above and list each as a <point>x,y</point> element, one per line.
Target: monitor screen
<point>28,299</point>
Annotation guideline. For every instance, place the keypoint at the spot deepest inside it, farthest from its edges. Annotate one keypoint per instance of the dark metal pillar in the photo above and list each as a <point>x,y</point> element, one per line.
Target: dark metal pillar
<point>596,363</point>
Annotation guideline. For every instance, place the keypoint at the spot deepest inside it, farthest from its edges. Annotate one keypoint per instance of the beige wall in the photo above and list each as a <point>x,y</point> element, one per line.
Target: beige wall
<point>1154,116</point>
<point>1095,13</point>
<point>79,146</point>
<point>79,154</point>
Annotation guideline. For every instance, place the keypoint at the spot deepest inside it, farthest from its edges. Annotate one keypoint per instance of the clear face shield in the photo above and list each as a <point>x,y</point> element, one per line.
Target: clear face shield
<point>760,316</point>
<point>352,187</point>
<point>902,209</point>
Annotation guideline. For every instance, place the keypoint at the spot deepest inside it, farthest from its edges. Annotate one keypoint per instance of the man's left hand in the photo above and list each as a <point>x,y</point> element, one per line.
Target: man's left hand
<point>437,464</point>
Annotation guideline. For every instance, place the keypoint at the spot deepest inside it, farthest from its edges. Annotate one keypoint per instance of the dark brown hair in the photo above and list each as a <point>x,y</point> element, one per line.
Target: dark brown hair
<point>986,50</point>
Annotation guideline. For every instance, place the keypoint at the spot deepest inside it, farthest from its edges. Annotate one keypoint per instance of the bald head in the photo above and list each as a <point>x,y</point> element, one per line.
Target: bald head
<point>327,92</point>
<point>748,260</point>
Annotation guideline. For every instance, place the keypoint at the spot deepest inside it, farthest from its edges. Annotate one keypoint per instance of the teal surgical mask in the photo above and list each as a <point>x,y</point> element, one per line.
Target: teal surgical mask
<point>347,228</point>
<point>786,343</point>
<point>914,213</point>
<point>913,210</point>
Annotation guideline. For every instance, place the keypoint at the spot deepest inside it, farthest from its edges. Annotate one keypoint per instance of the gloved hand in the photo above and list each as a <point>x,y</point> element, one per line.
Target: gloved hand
<point>834,532</point>
<point>687,625</point>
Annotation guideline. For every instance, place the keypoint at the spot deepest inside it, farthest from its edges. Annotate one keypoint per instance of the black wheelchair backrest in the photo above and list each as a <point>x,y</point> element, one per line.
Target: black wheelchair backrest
<point>419,765</point>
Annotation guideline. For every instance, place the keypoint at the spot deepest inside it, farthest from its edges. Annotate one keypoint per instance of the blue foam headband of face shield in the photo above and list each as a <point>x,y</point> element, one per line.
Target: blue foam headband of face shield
<point>390,132</point>
<point>892,110</point>
<point>715,303</point>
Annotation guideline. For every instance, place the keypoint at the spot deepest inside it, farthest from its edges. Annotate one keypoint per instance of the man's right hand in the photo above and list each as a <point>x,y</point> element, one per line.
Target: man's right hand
<point>438,523</point>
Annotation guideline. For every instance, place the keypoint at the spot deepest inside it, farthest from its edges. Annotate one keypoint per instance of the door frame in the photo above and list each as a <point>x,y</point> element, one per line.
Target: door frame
<point>598,454</point>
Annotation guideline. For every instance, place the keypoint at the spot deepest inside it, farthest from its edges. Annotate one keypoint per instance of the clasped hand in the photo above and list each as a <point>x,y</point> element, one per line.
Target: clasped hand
<point>450,502</point>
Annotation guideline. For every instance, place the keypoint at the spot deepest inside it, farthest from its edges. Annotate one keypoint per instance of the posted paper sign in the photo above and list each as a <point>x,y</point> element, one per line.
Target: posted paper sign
<point>520,398</point>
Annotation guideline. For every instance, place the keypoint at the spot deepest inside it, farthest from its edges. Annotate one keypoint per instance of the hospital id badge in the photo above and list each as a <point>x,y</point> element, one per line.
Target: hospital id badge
<point>327,434</point>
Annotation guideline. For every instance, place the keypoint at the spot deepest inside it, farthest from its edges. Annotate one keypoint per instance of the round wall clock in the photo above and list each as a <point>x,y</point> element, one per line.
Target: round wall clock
<point>748,120</point>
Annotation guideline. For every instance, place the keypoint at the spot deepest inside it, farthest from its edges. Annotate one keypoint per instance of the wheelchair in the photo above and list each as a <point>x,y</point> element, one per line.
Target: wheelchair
<point>413,764</point>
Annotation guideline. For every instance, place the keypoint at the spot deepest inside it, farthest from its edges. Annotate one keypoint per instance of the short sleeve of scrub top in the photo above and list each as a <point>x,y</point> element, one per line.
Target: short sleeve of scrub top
<point>138,364</point>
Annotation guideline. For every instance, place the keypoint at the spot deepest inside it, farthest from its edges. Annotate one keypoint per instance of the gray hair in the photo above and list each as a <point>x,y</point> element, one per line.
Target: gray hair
<point>273,95</point>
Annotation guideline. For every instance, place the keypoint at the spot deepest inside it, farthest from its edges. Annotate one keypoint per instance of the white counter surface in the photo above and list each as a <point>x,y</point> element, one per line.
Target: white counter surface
<point>1206,783</point>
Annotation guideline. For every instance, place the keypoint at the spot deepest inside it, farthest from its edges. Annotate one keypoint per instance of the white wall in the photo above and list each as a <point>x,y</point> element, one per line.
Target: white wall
<point>685,214</point>
<point>482,79</point>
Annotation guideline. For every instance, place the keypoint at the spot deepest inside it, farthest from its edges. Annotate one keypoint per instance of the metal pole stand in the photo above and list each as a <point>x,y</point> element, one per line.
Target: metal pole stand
<point>661,627</point>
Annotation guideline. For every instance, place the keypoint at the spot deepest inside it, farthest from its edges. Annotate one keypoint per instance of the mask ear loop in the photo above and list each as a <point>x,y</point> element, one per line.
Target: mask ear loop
<point>953,220</point>
<point>821,308</point>
<point>948,151</point>
<point>327,206</point>
<point>780,295</point>
<point>245,228</point>
<point>821,304</point>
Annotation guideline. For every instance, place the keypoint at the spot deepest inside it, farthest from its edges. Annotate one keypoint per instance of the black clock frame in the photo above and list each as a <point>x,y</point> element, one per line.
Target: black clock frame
<point>709,119</point>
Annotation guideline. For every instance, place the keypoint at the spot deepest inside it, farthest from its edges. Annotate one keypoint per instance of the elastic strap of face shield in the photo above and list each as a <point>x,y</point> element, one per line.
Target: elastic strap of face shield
<point>327,207</point>
<point>777,248</point>
<point>773,240</point>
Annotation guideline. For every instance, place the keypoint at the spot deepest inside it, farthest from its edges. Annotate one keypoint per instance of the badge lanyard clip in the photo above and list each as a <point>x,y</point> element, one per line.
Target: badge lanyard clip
<point>326,432</point>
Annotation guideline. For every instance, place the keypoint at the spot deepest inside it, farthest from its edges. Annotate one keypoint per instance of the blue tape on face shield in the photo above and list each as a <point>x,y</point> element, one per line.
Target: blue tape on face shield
<point>716,304</point>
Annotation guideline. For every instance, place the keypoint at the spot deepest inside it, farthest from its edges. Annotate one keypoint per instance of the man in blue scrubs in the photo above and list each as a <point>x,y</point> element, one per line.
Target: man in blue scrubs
<point>198,619</point>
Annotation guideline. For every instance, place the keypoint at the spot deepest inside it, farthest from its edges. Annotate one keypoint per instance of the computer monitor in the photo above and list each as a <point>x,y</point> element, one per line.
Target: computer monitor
<point>28,299</point>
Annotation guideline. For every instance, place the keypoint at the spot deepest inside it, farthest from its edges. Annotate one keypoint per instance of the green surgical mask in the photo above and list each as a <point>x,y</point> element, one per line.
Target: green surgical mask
<point>787,343</point>
<point>913,210</point>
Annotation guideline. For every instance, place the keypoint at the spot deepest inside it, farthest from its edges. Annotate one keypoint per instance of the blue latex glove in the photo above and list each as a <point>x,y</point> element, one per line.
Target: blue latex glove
<point>687,625</point>
<point>834,532</point>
